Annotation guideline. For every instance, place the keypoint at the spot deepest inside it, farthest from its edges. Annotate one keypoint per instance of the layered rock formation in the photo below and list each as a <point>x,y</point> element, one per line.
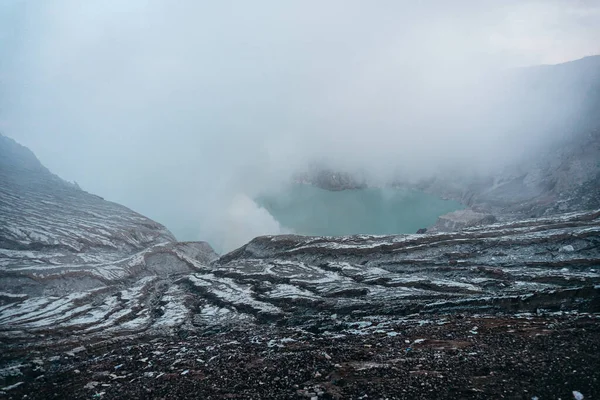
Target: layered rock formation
<point>74,264</point>
<point>56,239</point>
<point>96,300</point>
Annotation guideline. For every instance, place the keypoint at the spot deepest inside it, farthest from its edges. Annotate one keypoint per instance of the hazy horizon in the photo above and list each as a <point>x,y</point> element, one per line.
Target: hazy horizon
<point>179,110</point>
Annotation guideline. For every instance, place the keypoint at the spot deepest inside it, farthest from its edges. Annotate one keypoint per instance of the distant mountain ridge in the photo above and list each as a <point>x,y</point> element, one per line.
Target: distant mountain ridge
<point>556,131</point>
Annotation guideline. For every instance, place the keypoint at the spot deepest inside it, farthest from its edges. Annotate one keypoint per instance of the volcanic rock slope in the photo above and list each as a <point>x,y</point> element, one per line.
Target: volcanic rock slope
<point>74,266</point>
<point>67,255</point>
<point>560,173</point>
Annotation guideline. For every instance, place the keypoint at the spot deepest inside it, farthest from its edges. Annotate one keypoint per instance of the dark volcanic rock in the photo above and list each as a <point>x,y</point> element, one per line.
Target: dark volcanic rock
<point>40,211</point>
<point>98,301</point>
<point>536,266</point>
<point>56,239</point>
<point>447,358</point>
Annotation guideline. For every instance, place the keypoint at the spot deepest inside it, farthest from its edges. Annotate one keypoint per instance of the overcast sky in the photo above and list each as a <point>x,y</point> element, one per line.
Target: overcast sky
<point>182,110</point>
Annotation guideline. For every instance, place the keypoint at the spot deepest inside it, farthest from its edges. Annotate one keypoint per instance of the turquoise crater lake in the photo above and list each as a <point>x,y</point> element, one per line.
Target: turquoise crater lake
<point>309,210</point>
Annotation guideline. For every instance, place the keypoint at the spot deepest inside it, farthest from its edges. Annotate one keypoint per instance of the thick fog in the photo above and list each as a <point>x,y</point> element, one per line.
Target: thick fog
<point>186,110</point>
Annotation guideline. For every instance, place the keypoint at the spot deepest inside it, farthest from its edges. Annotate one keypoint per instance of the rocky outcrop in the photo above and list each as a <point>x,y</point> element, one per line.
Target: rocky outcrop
<point>536,265</point>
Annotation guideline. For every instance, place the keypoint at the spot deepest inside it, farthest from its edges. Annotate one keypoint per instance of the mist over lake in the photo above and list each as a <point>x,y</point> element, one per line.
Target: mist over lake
<point>309,210</point>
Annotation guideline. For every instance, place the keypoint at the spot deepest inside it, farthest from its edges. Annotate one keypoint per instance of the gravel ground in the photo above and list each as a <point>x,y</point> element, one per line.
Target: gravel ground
<point>458,357</point>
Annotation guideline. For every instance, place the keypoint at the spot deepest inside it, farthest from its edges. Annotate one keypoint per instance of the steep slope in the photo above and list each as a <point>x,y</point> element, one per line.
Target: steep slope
<point>56,239</point>
<point>100,301</point>
<point>538,265</point>
<point>562,177</point>
<point>556,127</point>
<point>41,211</point>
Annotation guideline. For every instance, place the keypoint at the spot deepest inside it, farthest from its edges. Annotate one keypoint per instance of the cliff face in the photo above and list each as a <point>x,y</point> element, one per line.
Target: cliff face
<point>56,238</point>
<point>330,180</point>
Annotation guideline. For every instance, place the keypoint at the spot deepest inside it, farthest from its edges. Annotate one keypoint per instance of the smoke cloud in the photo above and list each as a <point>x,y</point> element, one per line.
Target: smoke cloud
<point>184,111</point>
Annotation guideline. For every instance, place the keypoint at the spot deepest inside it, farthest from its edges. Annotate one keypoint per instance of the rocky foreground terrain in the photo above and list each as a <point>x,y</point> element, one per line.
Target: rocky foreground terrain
<point>546,356</point>
<point>97,301</point>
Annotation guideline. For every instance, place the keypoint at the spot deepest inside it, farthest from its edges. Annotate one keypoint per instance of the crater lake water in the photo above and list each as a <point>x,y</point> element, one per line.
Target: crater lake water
<point>309,210</point>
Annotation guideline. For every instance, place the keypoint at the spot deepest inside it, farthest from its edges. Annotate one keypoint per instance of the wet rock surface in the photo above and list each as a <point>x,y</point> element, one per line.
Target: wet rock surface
<point>97,301</point>
<point>460,356</point>
<point>538,264</point>
<point>507,310</point>
<point>54,237</point>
